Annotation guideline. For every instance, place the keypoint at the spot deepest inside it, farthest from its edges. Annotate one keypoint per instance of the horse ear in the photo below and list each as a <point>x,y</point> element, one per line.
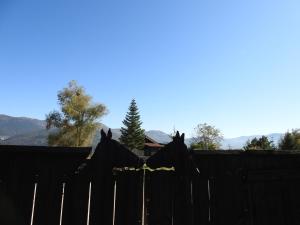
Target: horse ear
<point>103,134</point>
<point>182,137</point>
<point>109,134</point>
<point>177,136</point>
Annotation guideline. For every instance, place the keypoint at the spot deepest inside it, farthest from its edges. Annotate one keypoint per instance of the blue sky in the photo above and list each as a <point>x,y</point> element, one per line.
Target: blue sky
<point>232,64</point>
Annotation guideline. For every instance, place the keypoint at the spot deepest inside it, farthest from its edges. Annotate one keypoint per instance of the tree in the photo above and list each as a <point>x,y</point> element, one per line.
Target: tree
<point>290,140</point>
<point>262,143</point>
<point>207,137</point>
<point>133,136</point>
<point>77,121</point>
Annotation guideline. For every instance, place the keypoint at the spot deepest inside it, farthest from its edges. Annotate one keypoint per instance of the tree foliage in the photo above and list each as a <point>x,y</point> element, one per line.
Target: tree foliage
<point>133,136</point>
<point>76,122</point>
<point>207,137</point>
<point>290,140</point>
<point>262,143</point>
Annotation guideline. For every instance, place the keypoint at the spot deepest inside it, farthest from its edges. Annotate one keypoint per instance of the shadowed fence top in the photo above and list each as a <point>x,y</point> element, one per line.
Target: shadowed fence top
<point>60,186</point>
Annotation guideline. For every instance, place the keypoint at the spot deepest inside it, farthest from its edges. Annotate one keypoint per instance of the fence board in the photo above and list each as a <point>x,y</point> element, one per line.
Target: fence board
<point>249,188</point>
<point>129,200</point>
<point>20,186</point>
<point>76,200</point>
<point>227,191</point>
<point>48,199</point>
<point>161,189</point>
<point>102,200</point>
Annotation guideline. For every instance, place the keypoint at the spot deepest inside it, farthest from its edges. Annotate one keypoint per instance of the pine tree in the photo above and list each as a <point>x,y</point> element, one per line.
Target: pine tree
<point>133,136</point>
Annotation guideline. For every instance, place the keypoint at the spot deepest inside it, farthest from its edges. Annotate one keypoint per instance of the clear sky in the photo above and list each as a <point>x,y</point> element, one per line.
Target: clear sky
<point>232,64</point>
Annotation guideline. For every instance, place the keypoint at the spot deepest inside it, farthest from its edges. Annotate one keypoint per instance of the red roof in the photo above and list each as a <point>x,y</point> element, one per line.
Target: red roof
<point>154,145</point>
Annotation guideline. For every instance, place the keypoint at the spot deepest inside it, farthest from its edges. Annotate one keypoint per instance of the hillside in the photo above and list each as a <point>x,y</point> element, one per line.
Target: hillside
<point>28,131</point>
<point>12,126</point>
<point>239,142</point>
<point>35,138</point>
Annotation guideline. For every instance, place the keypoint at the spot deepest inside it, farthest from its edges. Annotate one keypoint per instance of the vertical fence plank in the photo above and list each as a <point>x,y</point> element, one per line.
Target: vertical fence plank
<point>20,188</point>
<point>102,199</point>
<point>129,198</point>
<point>228,192</point>
<point>161,190</point>
<point>76,199</point>
<point>293,201</point>
<point>267,186</point>
<point>182,203</point>
<point>23,167</point>
<point>48,199</point>
<point>201,201</point>
<point>7,202</point>
<point>254,188</point>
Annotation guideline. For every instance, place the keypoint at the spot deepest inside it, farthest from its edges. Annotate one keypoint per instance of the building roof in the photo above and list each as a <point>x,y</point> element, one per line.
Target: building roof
<point>153,145</point>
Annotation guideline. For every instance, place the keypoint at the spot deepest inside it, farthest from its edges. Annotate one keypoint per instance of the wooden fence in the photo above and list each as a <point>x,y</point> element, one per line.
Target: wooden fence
<point>60,186</point>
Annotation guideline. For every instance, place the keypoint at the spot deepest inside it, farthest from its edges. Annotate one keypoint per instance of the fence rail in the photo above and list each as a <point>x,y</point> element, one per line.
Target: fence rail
<point>60,186</point>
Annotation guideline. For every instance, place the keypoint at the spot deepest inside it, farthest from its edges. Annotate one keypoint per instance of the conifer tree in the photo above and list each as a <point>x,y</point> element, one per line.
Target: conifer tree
<point>133,136</point>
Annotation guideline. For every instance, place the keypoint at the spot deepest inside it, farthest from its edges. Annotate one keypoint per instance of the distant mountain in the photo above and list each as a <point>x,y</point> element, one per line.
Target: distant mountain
<point>156,135</point>
<point>28,131</point>
<point>239,142</point>
<point>35,138</point>
<point>227,143</point>
<point>22,131</point>
<point>12,126</point>
<point>159,136</point>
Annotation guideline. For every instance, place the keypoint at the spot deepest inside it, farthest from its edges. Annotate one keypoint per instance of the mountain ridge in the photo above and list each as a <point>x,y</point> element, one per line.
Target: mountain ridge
<point>29,131</point>
<point>13,126</point>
